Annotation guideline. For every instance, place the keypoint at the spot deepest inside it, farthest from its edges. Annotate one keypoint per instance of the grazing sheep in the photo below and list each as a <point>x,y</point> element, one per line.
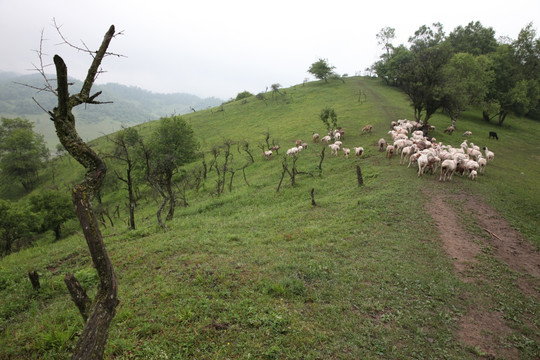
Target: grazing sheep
<point>482,162</point>
<point>489,154</point>
<point>267,154</point>
<point>433,163</point>
<point>346,151</point>
<point>304,145</point>
<point>448,167</point>
<point>493,134</point>
<point>298,142</point>
<point>292,151</point>
<point>389,151</point>
<point>414,158</point>
<point>450,130</point>
<point>467,133</point>
<point>338,143</point>
<point>367,129</point>
<point>315,137</point>
<point>326,139</point>
<point>334,148</point>
<point>359,151</point>
<point>274,148</point>
<point>422,164</point>
<point>382,144</point>
<point>337,135</point>
<point>473,175</point>
<point>406,152</point>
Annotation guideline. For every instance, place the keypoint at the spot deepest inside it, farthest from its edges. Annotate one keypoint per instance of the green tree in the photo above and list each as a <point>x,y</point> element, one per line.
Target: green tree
<point>466,80</point>
<point>473,39</point>
<point>321,69</point>
<point>385,37</point>
<point>126,143</point>
<point>53,208</point>
<point>171,146</point>
<point>17,226</point>
<point>517,77</point>
<point>243,95</point>
<point>329,117</point>
<point>420,75</point>
<point>22,152</point>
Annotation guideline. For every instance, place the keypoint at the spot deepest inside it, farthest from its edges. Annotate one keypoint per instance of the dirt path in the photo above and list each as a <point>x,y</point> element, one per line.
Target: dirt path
<point>481,328</point>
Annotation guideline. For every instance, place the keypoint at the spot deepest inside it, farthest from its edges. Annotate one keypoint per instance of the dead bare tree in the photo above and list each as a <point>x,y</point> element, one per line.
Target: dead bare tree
<point>92,341</point>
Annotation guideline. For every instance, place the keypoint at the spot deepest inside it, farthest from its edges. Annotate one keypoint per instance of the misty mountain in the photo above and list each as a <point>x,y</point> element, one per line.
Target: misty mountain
<point>126,105</point>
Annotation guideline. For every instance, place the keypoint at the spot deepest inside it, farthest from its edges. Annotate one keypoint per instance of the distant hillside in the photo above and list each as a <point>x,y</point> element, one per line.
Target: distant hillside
<point>130,105</point>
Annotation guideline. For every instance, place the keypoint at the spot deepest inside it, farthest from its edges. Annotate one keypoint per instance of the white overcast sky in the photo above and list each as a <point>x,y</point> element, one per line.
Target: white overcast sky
<point>220,48</point>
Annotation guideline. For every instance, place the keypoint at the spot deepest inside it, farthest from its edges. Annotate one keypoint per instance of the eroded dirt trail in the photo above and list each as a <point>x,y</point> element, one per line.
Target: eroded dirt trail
<point>481,328</point>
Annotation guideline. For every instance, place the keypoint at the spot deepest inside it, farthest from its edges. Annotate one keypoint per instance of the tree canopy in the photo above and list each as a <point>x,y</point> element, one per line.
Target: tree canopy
<point>22,152</point>
<point>321,69</point>
<point>467,67</point>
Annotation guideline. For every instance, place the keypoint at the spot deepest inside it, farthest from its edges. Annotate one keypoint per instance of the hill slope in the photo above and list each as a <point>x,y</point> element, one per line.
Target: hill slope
<point>369,272</point>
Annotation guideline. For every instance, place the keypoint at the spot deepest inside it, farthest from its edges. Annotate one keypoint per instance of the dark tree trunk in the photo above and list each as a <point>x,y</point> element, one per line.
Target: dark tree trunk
<point>92,341</point>
<point>172,198</point>
<point>485,116</point>
<point>34,279</point>
<point>78,295</point>
<point>502,117</point>
<point>359,175</point>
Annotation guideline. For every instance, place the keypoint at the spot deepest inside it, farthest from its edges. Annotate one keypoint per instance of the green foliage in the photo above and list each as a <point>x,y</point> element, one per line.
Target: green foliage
<point>466,81</point>
<point>53,208</point>
<point>329,118</point>
<point>17,226</point>
<point>171,145</point>
<point>467,67</point>
<point>473,39</point>
<point>22,152</point>
<point>243,95</point>
<point>321,69</point>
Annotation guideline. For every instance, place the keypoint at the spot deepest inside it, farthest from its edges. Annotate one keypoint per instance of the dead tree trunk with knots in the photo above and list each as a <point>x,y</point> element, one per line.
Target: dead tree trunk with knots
<point>91,343</point>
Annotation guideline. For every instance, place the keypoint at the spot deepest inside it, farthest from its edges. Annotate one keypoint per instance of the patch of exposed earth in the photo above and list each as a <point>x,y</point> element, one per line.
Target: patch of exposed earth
<point>480,328</point>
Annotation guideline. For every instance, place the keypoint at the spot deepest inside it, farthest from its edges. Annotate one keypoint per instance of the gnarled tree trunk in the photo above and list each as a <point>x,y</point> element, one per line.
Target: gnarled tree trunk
<point>91,343</point>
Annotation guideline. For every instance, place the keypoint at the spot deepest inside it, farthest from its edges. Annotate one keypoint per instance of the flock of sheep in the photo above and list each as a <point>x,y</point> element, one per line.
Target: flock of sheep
<point>414,146</point>
<point>430,155</point>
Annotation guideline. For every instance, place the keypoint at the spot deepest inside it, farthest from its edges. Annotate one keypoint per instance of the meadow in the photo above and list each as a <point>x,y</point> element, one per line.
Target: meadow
<point>255,273</point>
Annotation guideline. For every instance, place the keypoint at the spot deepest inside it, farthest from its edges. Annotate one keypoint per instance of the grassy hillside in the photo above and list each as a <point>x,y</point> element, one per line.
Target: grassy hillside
<point>255,273</point>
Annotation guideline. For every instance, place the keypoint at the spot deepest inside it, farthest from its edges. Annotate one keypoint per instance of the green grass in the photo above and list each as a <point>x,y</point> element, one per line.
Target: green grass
<point>255,273</point>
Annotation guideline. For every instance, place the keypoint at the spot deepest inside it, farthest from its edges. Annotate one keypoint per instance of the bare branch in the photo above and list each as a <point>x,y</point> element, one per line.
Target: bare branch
<point>85,49</point>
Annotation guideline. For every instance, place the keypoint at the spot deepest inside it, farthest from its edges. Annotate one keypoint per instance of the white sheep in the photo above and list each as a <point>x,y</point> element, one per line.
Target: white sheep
<point>315,137</point>
<point>489,154</point>
<point>467,133</point>
<point>338,143</point>
<point>326,138</point>
<point>389,151</point>
<point>382,144</point>
<point>292,151</point>
<point>406,152</point>
<point>346,151</point>
<point>448,167</point>
<point>473,175</point>
<point>482,162</point>
<point>334,148</point>
<point>267,154</point>
<point>422,164</point>
<point>359,151</point>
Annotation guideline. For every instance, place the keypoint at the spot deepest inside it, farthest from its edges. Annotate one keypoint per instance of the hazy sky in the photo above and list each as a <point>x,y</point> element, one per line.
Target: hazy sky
<point>220,48</point>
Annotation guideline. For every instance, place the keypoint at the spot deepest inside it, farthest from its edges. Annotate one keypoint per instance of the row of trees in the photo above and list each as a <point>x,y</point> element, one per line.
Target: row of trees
<point>466,68</point>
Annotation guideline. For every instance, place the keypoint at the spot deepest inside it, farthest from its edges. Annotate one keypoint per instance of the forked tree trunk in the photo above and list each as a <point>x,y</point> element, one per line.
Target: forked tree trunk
<point>91,343</point>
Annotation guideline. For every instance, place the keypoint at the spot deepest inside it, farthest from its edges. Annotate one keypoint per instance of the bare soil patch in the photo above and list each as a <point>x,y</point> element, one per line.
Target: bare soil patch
<point>479,328</point>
